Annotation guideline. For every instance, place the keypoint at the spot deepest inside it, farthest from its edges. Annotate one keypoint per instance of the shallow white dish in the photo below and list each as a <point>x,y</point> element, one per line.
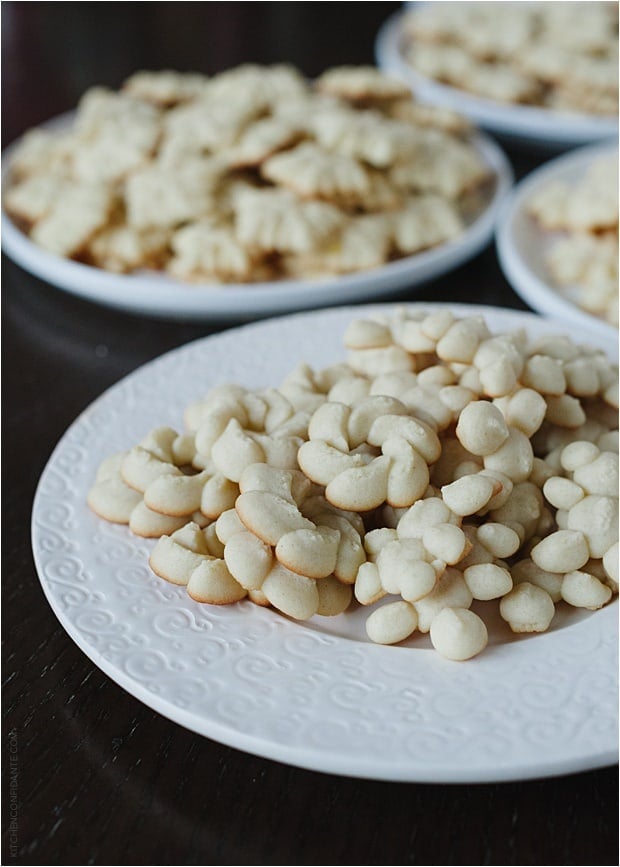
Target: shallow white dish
<point>152,294</point>
<point>522,245</point>
<point>316,695</point>
<point>519,123</point>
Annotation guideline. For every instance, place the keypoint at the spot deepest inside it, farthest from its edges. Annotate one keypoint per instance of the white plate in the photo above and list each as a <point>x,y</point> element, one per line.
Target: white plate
<point>519,123</point>
<point>317,695</point>
<point>522,245</point>
<point>155,295</point>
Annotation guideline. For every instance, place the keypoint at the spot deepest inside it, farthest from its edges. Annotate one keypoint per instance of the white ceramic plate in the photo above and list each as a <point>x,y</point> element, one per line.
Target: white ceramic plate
<point>519,123</point>
<point>152,294</point>
<point>316,695</point>
<point>522,246</point>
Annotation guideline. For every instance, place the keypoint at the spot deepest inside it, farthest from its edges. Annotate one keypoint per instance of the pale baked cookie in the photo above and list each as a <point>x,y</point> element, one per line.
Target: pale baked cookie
<point>102,111</point>
<point>110,496</point>
<point>364,135</point>
<point>204,251</point>
<point>108,160</point>
<point>360,84</point>
<point>312,172</point>
<point>301,109</point>
<point>588,264</point>
<point>163,197</point>
<point>209,124</point>
<point>419,114</point>
<point>165,87</point>
<point>260,140</point>
<point>501,82</point>
<point>115,135</point>
<point>77,214</point>
<point>486,30</point>
<point>455,66</point>
<point>175,151</point>
<point>584,257</point>
<point>41,152</point>
<point>583,83</point>
<point>545,62</point>
<point>491,32</point>
<point>577,96</point>
<point>230,191</point>
<point>263,84</point>
<point>32,198</point>
<point>448,63</point>
<point>441,164</point>
<point>592,203</point>
<point>382,195</point>
<point>548,205</point>
<point>363,242</point>
<point>595,79</point>
<point>123,248</point>
<point>437,24</point>
<point>580,27</point>
<point>276,220</point>
<point>425,221</point>
<point>309,536</point>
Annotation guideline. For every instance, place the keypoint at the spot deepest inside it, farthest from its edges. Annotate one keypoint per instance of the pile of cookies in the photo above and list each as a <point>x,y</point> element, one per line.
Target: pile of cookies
<point>561,56</point>
<point>440,468</point>
<point>580,220</point>
<point>253,174</point>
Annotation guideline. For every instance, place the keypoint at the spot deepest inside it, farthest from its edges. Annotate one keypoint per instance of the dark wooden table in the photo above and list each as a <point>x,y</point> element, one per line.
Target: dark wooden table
<point>92,776</point>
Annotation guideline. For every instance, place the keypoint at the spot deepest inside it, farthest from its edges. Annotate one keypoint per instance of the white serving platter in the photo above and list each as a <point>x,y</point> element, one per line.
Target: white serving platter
<point>318,694</point>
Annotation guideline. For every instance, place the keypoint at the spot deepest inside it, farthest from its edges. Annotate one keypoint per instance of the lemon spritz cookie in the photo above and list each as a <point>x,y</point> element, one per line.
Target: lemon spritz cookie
<point>439,472</point>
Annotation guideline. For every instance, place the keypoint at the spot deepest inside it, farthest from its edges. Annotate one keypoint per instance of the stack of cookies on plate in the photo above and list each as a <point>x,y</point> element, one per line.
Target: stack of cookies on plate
<point>581,222</point>
<point>561,56</point>
<point>253,174</point>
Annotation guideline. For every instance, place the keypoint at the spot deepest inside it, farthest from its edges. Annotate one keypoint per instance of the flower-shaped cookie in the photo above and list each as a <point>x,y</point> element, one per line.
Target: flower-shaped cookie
<point>312,172</point>
<point>276,220</point>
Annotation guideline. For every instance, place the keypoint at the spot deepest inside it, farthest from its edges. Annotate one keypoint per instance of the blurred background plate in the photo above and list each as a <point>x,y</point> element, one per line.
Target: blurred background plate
<point>519,124</point>
<point>522,245</point>
<point>153,294</point>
